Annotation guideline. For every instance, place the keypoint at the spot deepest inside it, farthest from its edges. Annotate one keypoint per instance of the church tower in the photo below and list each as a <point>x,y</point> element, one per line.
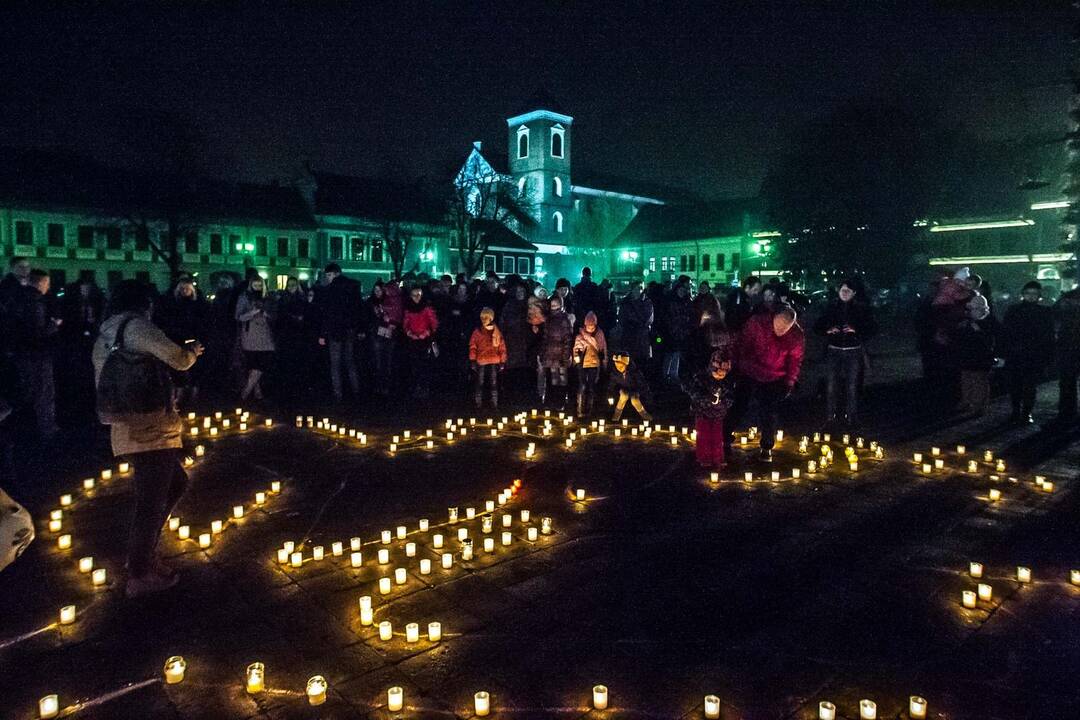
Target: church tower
<point>539,145</point>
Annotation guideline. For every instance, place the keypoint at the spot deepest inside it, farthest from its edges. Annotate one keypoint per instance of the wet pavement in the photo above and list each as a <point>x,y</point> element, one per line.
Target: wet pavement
<point>661,585</point>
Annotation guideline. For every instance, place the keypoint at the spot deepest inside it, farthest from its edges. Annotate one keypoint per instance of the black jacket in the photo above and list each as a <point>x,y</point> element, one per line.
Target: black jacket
<point>854,314</point>
<point>1028,335</point>
<point>339,308</point>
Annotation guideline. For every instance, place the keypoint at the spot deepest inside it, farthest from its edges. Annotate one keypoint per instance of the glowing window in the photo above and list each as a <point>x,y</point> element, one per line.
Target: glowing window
<point>557,220</point>
<point>521,185</point>
<point>556,187</point>
<point>557,141</point>
<point>523,142</point>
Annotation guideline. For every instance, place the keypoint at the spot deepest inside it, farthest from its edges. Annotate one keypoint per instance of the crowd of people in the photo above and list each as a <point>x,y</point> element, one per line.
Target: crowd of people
<point>132,360</point>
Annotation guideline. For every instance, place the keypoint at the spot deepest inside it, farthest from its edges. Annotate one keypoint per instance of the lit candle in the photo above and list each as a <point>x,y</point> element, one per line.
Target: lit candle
<point>434,631</point>
<point>86,564</point>
<point>867,710</point>
<point>447,561</point>
<point>400,576</point>
<point>412,633</point>
<point>282,555</point>
<point>88,484</point>
<point>532,534</point>
<point>386,630</point>
<point>1048,486</point>
<point>269,422</point>
<point>826,710</point>
<point>986,593</point>
<point>917,707</point>
<point>489,544</point>
<point>64,542</point>
<point>410,549</point>
<point>1074,577</point>
<point>1023,574</point>
<point>425,566</point>
<point>402,531</point>
<point>776,474</point>
<point>395,699</point>
<point>260,498</point>
<point>973,466</point>
<point>600,697</point>
<point>712,707</point>
<point>507,520</point>
<point>969,599</point>
<point>174,670</point>
<point>961,449</point>
<point>748,476</point>
<point>289,546</point>
<point>466,550</point>
<point>795,473</point>
<point>545,525</point>
<point>393,448</point>
<point>939,464</point>
<point>486,524</point>
<point>927,468</point>
<point>256,677</point>
<point>124,467</point>
<point>55,525</point>
<point>507,538</point>
<point>275,486</point>
<point>437,541</point>
<point>204,540</point>
<point>935,451</point>
<point>216,527</point>
<point>387,536</point>
<point>337,549</point>
<point>238,511</point>
<point>65,500</point>
<point>67,614</point>
<point>296,559</point>
<point>525,515</point>
<point>988,456</point>
<point>48,706</point>
<point>424,524</point>
<point>356,559</point>
<point>975,569</point>
<point>384,556</point>
<point>430,444</point>
<point>482,703</point>
<point>1000,466</point>
<point>316,690</point>
<point>462,534</point>
<point>453,514</point>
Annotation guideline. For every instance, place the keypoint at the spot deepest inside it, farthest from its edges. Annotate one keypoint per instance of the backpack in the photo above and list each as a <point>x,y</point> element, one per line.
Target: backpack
<point>131,383</point>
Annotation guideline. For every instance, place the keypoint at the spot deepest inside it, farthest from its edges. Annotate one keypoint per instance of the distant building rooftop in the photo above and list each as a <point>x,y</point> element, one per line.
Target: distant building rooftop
<point>697,221</point>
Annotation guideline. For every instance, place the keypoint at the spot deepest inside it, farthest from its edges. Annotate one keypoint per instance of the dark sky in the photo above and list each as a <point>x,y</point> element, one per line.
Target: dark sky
<point>698,94</point>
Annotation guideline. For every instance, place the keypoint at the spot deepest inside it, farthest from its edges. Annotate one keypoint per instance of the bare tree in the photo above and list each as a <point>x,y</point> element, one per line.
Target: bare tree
<point>482,201</point>
<point>398,241</point>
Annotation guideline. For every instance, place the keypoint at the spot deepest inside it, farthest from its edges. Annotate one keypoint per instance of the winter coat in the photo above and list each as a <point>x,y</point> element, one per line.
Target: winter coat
<point>1028,335</point>
<point>394,303</point>
<point>1067,312</point>
<point>854,314</point>
<point>679,321</point>
<point>255,315</point>
<point>30,327</point>
<point>973,344</point>
<point>419,322</point>
<point>591,347</point>
<point>631,380</point>
<point>558,340</point>
<point>515,329</point>
<point>339,309</point>
<point>159,430</point>
<point>710,398</point>
<point>766,358</point>
<point>487,347</point>
<point>633,325</point>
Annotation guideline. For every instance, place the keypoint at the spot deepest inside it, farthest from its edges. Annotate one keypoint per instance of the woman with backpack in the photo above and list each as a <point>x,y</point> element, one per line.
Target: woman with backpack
<point>132,359</point>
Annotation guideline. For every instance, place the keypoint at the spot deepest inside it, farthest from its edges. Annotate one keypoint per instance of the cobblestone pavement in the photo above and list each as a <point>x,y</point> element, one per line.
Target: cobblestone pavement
<point>661,585</point>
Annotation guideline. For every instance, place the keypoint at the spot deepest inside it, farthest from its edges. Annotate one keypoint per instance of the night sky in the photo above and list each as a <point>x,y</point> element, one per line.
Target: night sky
<point>702,95</point>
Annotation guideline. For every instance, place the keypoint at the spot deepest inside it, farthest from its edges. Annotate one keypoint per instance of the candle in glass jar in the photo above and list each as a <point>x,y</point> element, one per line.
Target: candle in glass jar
<point>939,464</point>
<point>275,486</point>
<point>867,710</point>
<point>67,614</point>
<point>467,550</point>
<point>986,593</point>
<point>968,599</point>
<point>1023,574</point>
<point>525,515</point>
<point>49,706</point>
<point>316,690</point>
<point>935,451</point>
<point>600,697</point>
<point>532,534</point>
<point>238,512</point>
<point>424,524</point>
<point>282,555</point>
<point>410,549</point>
<point>296,559</point>
<point>437,541</point>
<point>384,586</point>
<point>489,544</point>
<point>462,534</point>
<point>712,707</point>
<point>56,525</point>
<point>86,564</point>
<point>402,531</point>
<point>434,631</point>
<point>356,559</point>
<point>174,670</point>
<point>400,576</point>
<point>545,525</point>
<point>507,538</point>
<point>507,520</point>
<point>88,484</point>
<point>216,527</point>
<point>124,467</point>
<point>425,566</point>
<point>395,699</point>
<point>975,569</point>
<point>260,498</point>
<point>256,678</point>
<point>65,500</point>
<point>826,710</point>
<point>383,556</point>
<point>927,468</point>
<point>412,633</point>
<point>204,540</point>
<point>1074,577</point>
<point>917,707</point>
<point>486,524</point>
<point>386,630</point>
<point>447,561</point>
<point>482,703</point>
<point>64,542</point>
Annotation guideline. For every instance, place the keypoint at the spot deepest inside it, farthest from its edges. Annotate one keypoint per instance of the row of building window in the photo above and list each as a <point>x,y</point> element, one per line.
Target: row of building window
<point>113,238</point>
<point>557,141</point>
<point>520,265</point>
<point>689,263</point>
<point>556,186</point>
<point>357,249</point>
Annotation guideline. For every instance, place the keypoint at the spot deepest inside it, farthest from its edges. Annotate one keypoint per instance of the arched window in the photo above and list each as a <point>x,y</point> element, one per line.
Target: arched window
<point>556,187</point>
<point>523,142</point>
<point>557,141</point>
<point>556,218</point>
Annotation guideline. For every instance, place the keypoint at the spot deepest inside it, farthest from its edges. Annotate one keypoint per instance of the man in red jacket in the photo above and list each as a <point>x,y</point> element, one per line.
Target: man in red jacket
<point>769,356</point>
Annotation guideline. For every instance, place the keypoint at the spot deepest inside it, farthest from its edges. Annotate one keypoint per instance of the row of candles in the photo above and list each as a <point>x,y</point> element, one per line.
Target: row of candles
<point>213,426</point>
<point>985,592</point>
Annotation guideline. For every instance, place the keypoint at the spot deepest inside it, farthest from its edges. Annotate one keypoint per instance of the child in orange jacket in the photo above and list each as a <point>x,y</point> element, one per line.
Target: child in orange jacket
<point>487,356</point>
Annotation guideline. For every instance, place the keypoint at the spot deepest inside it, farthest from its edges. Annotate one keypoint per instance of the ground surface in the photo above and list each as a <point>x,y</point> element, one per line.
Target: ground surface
<point>773,596</point>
